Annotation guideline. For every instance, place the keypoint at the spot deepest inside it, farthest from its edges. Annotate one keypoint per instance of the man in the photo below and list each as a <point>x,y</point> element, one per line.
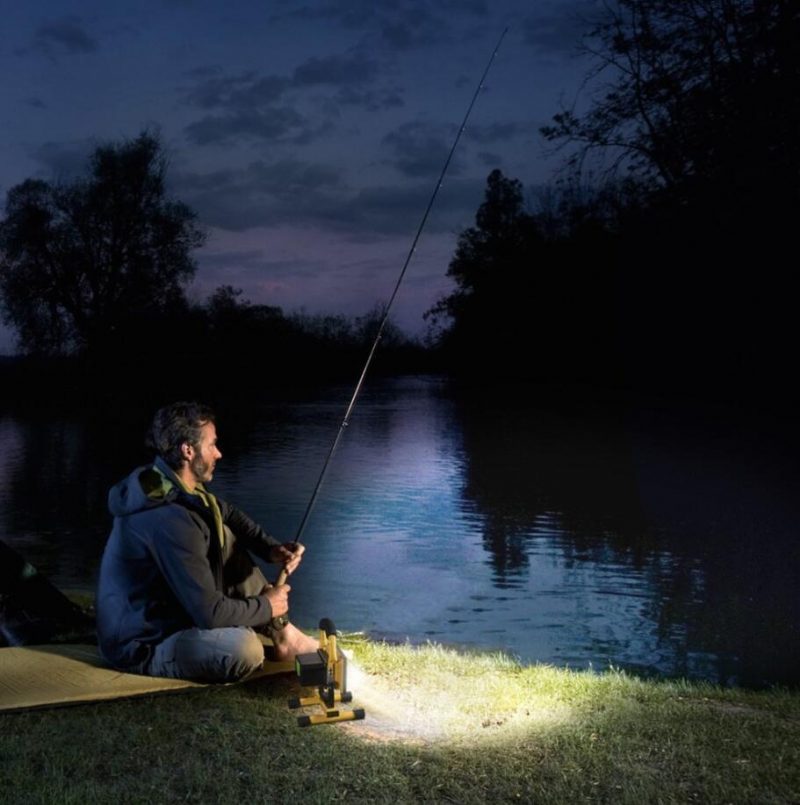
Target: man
<point>178,594</point>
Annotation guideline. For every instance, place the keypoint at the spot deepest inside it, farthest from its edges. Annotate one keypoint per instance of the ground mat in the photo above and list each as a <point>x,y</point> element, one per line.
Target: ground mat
<point>61,674</point>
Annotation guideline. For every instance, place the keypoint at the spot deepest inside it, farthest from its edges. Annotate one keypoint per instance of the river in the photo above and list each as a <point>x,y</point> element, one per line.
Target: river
<point>660,539</point>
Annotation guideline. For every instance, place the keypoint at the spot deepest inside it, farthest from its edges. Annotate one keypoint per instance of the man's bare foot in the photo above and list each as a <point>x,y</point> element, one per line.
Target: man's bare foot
<point>290,641</point>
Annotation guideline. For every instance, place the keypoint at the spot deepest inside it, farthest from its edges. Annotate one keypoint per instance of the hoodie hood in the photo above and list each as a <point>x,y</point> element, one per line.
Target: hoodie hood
<point>145,488</point>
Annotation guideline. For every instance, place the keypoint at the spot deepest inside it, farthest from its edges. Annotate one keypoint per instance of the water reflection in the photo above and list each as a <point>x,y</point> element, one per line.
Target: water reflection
<point>534,471</point>
<point>686,522</point>
<point>561,531</point>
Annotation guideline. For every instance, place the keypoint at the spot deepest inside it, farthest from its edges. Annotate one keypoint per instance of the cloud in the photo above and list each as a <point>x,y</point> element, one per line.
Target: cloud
<point>249,90</point>
<point>348,13</point>
<point>561,28</point>
<point>66,35</point>
<point>263,194</point>
<point>490,158</point>
<point>371,100</point>
<point>336,70</point>
<point>277,124</point>
<point>239,263</point>
<point>281,178</point>
<point>236,92</point>
<point>391,209</point>
<point>498,132</point>
<point>420,149</point>
<point>290,178</point>
<point>313,194</point>
<point>411,29</point>
<point>267,107</point>
<point>64,160</point>
<point>417,24</point>
<point>397,26</point>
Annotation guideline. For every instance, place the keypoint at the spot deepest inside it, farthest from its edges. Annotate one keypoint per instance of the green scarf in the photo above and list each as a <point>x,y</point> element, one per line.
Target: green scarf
<point>167,483</point>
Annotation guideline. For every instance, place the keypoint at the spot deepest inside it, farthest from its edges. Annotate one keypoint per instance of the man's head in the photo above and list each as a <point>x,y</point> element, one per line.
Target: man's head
<point>185,436</point>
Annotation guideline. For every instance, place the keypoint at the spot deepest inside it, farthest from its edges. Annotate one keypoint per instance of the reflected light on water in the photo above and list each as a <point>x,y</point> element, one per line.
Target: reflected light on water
<point>554,533</point>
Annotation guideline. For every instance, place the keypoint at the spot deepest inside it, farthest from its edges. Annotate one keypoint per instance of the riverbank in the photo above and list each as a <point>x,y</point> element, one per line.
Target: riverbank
<point>441,726</point>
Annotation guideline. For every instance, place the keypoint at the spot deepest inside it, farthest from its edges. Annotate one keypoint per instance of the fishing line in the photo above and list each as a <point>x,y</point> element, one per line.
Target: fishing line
<point>385,317</point>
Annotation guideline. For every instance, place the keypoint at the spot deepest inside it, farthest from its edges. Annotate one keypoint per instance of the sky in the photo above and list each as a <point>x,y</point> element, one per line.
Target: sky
<point>307,135</point>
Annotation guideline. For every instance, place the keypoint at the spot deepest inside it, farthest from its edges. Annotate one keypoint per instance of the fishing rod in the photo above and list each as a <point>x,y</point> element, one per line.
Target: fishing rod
<point>385,317</point>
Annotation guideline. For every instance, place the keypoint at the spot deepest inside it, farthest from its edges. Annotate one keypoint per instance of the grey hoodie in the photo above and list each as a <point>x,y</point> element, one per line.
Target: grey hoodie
<point>162,568</point>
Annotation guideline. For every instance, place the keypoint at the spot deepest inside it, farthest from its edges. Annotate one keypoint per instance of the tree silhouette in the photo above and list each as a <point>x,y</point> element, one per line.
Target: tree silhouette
<point>236,327</point>
<point>490,263</point>
<point>532,298</point>
<point>696,94</point>
<point>698,102</point>
<point>81,261</point>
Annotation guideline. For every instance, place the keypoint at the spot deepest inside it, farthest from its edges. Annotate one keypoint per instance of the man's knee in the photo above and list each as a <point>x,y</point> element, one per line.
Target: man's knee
<point>225,654</point>
<point>245,655</point>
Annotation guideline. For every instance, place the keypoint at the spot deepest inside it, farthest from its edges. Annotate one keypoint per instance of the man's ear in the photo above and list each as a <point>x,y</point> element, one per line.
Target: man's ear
<point>187,451</point>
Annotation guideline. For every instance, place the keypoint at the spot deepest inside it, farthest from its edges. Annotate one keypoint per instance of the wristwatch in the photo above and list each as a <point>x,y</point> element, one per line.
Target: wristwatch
<point>279,622</point>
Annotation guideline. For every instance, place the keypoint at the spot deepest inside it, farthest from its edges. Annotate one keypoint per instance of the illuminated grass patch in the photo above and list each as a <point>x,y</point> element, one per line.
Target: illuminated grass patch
<point>441,726</point>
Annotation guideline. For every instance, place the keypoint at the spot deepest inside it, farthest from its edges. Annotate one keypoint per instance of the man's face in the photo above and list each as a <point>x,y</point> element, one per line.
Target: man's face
<point>206,454</point>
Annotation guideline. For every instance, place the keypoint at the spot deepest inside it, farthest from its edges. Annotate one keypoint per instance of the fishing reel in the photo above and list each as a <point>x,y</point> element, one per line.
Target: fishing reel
<point>325,670</point>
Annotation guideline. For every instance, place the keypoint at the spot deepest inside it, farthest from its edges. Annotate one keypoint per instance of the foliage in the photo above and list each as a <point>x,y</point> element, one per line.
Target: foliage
<point>327,328</point>
<point>356,332</point>
<point>233,321</point>
<point>529,289</point>
<point>698,101</point>
<point>82,260</point>
<point>367,326</point>
<point>648,279</point>
<point>695,92</point>
<point>487,256</point>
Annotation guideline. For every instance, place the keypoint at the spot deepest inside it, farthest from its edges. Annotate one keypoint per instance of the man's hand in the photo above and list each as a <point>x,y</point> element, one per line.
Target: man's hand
<point>278,598</point>
<point>289,555</point>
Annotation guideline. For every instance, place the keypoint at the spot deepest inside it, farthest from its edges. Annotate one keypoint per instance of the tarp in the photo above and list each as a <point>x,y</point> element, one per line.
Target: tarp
<point>32,610</point>
<point>70,673</point>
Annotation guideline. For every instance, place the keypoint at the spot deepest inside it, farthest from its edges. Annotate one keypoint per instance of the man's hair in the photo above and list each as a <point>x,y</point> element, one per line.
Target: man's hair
<point>177,424</point>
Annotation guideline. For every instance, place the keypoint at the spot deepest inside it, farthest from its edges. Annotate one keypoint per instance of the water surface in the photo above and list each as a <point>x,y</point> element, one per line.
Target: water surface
<point>661,540</point>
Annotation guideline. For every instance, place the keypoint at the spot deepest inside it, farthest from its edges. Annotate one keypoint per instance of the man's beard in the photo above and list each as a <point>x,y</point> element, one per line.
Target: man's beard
<point>202,470</point>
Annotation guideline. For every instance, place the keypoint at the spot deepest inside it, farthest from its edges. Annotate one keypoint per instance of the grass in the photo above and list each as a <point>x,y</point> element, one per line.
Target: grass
<point>441,726</point>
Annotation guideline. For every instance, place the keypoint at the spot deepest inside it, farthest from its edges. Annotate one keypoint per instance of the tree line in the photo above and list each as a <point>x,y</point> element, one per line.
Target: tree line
<point>663,260</point>
<point>660,259</point>
<point>93,277</point>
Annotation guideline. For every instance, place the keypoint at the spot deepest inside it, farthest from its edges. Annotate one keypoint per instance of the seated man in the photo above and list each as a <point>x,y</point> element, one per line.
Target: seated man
<point>178,594</point>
